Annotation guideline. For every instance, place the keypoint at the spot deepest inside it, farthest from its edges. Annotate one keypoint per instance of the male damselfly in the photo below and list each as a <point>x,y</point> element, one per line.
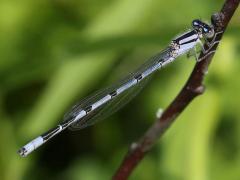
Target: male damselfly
<point>97,106</point>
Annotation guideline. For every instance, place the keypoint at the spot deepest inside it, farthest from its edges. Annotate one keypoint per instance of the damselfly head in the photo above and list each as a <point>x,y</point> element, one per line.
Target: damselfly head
<point>203,28</point>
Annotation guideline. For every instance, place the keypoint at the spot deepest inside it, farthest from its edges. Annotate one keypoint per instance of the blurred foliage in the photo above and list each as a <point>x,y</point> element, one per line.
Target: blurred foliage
<point>53,53</point>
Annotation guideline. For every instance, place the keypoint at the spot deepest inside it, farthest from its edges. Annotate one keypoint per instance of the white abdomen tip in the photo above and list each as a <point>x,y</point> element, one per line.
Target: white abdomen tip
<point>31,146</point>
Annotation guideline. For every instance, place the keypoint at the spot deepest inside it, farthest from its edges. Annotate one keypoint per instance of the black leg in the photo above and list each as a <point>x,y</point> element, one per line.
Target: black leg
<point>213,41</point>
<point>206,55</point>
<point>215,36</point>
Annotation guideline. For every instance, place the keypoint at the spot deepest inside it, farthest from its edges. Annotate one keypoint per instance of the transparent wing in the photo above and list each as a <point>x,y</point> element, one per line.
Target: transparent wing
<point>117,102</point>
<point>108,108</point>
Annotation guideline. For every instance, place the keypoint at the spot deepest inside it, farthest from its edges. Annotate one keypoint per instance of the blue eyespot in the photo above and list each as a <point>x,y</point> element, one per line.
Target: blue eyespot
<point>205,29</point>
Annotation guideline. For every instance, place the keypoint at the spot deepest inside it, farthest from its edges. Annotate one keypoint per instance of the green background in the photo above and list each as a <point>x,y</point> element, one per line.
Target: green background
<point>55,52</point>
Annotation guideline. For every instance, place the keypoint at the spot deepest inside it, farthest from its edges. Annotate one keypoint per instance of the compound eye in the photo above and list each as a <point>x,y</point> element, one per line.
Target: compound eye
<point>195,23</point>
<point>205,30</point>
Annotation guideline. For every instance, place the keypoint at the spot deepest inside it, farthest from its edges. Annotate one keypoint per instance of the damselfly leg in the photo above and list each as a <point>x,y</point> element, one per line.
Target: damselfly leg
<point>210,50</point>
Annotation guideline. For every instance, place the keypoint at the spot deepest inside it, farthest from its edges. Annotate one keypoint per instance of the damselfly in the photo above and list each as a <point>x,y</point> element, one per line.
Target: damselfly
<point>97,106</point>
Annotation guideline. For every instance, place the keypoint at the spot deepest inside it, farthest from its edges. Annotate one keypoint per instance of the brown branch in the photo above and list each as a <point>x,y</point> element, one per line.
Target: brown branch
<point>193,87</point>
